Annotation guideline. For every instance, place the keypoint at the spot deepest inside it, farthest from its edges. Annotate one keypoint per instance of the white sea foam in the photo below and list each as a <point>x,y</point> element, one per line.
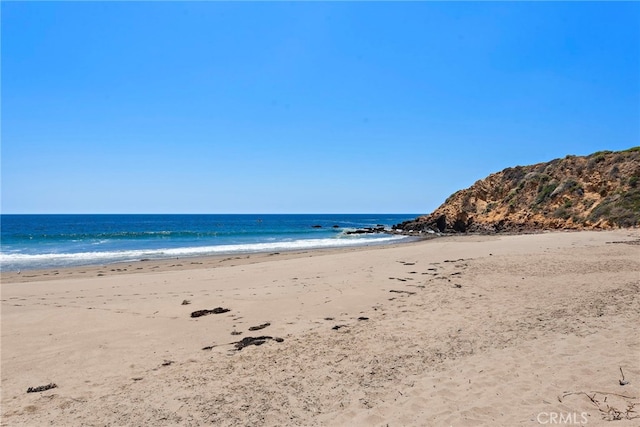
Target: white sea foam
<point>17,261</point>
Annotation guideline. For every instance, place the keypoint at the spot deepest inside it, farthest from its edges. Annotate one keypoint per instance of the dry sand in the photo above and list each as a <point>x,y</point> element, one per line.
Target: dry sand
<point>460,331</point>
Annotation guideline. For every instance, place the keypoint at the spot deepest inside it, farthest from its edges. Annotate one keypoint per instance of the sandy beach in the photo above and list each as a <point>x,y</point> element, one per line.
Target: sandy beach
<point>517,330</point>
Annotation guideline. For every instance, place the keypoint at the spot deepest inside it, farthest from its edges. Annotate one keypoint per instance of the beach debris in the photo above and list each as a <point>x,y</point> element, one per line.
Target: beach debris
<point>41,388</point>
<point>402,292</point>
<point>217,310</point>
<point>186,302</point>
<point>457,286</point>
<point>622,381</point>
<point>247,341</point>
<point>236,333</point>
<point>328,318</point>
<point>137,378</point>
<point>168,362</point>
<point>628,242</point>
<point>335,328</point>
<point>257,328</point>
<point>607,411</point>
<point>363,318</point>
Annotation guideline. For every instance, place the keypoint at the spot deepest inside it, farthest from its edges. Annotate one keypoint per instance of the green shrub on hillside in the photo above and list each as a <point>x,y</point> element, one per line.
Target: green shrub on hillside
<point>620,209</point>
<point>544,191</point>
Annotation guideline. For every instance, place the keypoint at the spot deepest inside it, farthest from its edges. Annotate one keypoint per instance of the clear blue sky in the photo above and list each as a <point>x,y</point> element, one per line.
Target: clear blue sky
<point>215,107</point>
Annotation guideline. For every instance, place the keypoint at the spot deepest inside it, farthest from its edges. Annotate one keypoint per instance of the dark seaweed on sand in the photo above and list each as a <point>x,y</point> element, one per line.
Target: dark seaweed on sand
<point>217,310</point>
<point>41,388</point>
<point>247,341</point>
<point>257,328</point>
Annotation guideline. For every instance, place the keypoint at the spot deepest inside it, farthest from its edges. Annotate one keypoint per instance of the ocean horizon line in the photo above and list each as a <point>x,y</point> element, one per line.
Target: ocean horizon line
<point>211,213</point>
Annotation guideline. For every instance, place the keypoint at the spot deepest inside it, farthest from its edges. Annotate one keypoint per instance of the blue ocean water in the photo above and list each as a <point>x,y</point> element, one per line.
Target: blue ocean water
<point>48,241</point>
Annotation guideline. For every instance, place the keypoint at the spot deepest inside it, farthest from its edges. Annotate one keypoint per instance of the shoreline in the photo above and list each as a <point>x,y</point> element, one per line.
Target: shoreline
<point>223,259</point>
<point>60,241</point>
<point>459,330</point>
<point>158,265</point>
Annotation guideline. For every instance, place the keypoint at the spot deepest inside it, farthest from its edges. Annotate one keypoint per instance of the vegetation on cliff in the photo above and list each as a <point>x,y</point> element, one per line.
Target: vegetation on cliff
<point>601,190</point>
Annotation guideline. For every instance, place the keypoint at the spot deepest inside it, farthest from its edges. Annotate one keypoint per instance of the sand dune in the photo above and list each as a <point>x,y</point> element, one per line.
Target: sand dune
<point>458,331</point>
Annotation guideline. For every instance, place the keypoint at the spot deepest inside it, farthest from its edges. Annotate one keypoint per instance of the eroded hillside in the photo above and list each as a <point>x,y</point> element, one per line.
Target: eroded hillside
<point>601,190</point>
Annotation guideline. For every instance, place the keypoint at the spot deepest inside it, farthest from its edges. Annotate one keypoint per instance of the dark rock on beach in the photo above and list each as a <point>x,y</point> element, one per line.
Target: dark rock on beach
<point>368,230</point>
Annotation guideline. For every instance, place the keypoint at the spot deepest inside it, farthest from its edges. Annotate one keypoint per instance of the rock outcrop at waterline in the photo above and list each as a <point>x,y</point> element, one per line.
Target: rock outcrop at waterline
<point>598,191</point>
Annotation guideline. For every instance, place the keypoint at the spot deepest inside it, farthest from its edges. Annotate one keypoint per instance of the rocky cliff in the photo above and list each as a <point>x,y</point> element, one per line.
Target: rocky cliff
<point>601,190</point>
